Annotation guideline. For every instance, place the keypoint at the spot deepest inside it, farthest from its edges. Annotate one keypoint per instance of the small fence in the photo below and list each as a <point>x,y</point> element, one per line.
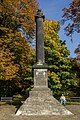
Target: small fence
<point>73,99</point>
<point>7,99</point>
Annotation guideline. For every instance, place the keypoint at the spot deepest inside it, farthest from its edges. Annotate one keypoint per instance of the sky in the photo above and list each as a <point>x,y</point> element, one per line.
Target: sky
<point>53,10</point>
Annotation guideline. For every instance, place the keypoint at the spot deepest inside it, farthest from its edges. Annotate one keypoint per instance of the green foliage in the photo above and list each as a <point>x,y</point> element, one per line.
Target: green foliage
<point>57,57</point>
<point>7,88</point>
<point>75,70</point>
<point>16,56</point>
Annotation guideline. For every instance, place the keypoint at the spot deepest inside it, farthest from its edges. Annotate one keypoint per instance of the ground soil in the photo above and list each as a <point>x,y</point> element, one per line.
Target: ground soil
<point>7,112</point>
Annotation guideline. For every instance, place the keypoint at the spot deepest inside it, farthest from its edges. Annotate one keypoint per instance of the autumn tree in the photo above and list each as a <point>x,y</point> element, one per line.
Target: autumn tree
<point>57,57</point>
<point>15,52</point>
<point>18,13</point>
<point>72,14</point>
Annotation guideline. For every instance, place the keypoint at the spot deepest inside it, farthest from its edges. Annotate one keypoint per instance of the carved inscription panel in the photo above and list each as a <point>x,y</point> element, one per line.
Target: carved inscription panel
<point>40,77</point>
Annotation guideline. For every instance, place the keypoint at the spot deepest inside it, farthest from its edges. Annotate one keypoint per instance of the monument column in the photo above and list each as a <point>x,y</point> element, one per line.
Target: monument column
<point>40,100</point>
<point>39,18</point>
<point>40,68</point>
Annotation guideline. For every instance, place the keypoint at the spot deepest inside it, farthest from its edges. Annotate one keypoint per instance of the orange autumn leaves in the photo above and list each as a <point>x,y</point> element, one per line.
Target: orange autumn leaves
<point>22,12</point>
<point>15,52</point>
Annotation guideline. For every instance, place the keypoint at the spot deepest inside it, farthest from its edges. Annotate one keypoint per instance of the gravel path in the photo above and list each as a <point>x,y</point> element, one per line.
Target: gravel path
<point>7,112</point>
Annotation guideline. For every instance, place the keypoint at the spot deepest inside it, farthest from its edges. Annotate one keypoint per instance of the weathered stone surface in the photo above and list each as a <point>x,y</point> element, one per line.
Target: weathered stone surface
<point>41,102</point>
<point>40,78</point>
<point>39,37</point>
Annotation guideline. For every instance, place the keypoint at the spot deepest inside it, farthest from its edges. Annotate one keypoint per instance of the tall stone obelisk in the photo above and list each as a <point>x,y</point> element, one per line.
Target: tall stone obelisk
<point>41,101</point>
<point>39,18</point>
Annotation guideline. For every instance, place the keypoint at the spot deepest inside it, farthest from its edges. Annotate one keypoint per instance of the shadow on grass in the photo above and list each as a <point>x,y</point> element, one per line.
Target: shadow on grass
<point>18,101</point>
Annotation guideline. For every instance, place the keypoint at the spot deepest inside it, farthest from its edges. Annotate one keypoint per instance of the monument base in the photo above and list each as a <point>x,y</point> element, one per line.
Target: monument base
<point>41,102</point>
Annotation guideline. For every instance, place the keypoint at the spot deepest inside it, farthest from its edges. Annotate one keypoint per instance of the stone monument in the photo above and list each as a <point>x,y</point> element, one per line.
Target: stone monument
<point>41,101</point>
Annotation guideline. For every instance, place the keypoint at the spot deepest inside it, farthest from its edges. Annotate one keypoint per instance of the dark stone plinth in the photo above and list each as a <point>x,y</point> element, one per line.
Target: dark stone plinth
<point>40,66</point>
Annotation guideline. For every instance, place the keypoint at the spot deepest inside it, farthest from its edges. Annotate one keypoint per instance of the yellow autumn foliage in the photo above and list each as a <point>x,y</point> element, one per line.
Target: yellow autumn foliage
<point>21,11</point>
<point>14,52</point>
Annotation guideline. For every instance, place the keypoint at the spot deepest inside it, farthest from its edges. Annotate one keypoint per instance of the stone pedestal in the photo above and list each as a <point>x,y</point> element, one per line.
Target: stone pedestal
<point>41,101</point>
